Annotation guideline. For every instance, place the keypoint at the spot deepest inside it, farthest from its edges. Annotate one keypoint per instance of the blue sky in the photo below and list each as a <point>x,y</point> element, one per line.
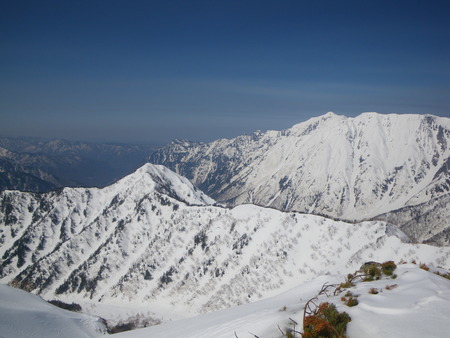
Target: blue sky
<point>153,71</point>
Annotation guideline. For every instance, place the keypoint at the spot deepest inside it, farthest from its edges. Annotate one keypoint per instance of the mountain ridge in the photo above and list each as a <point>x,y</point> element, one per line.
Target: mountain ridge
<point>131,243</point>
<point>345,168</point>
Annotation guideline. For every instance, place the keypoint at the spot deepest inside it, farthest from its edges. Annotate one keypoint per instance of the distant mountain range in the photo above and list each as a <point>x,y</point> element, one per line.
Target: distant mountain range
<point>346,168</point>
<point>153,238</point>
<point>39,165</point>
<point>394,168</point>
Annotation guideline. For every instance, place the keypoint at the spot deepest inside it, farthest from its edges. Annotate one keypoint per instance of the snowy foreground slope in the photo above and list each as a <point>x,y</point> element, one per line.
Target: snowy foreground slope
<point>26,315</point>
<point>418,306</point>
<point>141,243</point>
<point>346,168</point>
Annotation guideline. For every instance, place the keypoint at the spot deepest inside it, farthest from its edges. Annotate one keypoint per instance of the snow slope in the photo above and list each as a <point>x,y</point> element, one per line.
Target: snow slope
<point>33,225</point>
<point>426,222</point>
<point>153,245</point>
<point>347,168</point>
<point>419,306</point>
<point>26,315</point>
<point>140,242</point>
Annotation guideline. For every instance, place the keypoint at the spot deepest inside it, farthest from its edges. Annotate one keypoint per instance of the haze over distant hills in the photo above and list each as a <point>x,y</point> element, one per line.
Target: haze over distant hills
<point>40,165</point>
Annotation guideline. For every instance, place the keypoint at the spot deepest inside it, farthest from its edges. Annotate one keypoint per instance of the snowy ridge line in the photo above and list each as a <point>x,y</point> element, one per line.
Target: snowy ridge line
<point>147,247</point>
<point>344,168</point>
<point>35,225</point>
<point>132,246</point>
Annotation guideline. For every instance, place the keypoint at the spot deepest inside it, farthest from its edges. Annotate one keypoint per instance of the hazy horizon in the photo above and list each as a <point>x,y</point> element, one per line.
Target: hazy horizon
<point>151,143</point>
<point>151,72</point>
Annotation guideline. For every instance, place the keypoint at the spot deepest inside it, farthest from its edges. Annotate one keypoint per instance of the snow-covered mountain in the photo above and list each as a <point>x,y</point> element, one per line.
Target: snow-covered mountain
<point>34,225</point>
<point>425,222</point>
<point>154,239</point>
<point>15,176</point>
<point>347,168</point>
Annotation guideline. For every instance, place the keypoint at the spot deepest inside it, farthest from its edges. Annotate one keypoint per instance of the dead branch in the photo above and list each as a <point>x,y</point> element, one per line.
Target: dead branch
<point>295,323</point>
<point>338,288</point>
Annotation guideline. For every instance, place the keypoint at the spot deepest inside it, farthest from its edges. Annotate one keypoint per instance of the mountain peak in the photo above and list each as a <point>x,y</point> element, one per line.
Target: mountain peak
<point>344,167</point>
<point>159,178</point>
<point>312,123</point>
<point>330,114</point>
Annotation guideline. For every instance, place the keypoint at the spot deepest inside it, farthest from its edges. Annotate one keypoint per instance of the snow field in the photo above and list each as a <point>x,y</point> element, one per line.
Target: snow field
<point>418,306</point>
<point>26,315</point>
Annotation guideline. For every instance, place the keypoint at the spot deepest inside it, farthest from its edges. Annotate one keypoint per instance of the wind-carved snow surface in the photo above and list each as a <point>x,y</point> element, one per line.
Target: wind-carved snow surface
<point>418,306</point>
<point>346,168</point>
<point>136,243</point>
<point>25,315</point>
